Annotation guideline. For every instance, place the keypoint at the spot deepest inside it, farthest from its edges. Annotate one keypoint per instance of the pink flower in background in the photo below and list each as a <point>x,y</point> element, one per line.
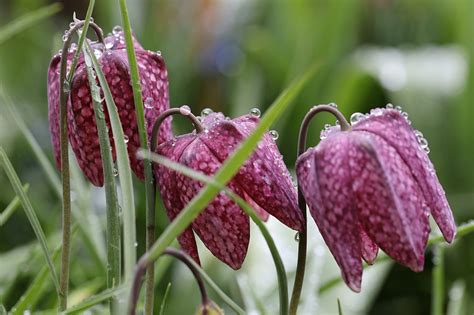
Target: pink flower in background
<point>263,181</point>
<point>374,186</point>
<point>81,120</point>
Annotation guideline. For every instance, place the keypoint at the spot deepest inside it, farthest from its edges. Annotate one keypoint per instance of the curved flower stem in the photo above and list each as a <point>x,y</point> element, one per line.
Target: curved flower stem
<point>302,244</point>
<point>150,238</point>
<point>65,177</point>
<point>172,111</point>
<point>144,263</point>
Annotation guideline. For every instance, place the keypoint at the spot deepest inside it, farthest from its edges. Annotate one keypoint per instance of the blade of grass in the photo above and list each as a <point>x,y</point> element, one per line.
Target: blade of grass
<point>228,169</point>
<point>124,172</point>
<point>113,216</point>
<point>27,20</point>
<point>30,213</point>
<point>149,185</point>
<point>48,168</point>
<point>95,299</point>
<point>12,206</point>
<point>339,308</point>
<point>280,268</point>
<point>437,299</point>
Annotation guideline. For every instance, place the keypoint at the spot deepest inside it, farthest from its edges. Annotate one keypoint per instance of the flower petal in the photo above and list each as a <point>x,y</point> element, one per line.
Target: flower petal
<point>394,129</point>
<point>264,176</point>
<point>167,184</point>
<point>54,107</point>
<point>223,226</point>
<point>391,206</point>
<point>324,178</point>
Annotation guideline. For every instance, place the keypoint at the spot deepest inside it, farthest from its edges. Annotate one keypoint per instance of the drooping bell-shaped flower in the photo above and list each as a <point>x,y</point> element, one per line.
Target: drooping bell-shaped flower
<point>263,181</point>
<point>373,186</point>
<point>81,119</point>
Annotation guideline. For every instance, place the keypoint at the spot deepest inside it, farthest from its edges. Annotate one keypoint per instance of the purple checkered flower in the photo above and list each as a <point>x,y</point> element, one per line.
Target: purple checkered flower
<point>373,186</point>
<point>263,181</point>
<point>81,120</point>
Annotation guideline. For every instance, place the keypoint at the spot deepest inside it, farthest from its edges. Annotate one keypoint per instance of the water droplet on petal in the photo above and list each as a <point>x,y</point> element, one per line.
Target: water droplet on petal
<point>109,45</point>
<point>149,103</point>
<point>158,52</point>
<point>65,37</point>
<point>333,105</point>
<point>115,172</point>
<point>327,126</point>
<point>405,114</point>
<point>117,29</point>
<point>72,24</point>
<point>297,236</point>
<point>356,117</point>
<point>274,134</point>
<point>255,112</point>
<point>376,111</point>
<point>399,108</point>
<point>389,106</point>
<point>97,53</point>
<point>185,110</point>
<point>126,138</point>
<point>206,112</point>
<point>418,134</point>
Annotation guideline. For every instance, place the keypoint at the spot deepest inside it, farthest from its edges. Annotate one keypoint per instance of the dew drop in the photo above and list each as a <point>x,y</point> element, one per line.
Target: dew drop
<point>274,134</point>
<point>115,171</point>
<point>149,103</point>
<point>376,112</point>
<point>72,24</point>
<point>255,112</point>
<point>97,53</point>
<point>356,117</point>
<point>327,126</point>
<point>65,36</point>
<point>399,108</point>
<point>185,110</point>
<point>206,112</point>
<point>117,29</point>
<point>418,134</point>
<point>297,237</point>
<point>405,114</point>
<point>158,52</point>
<point>389,106</point>
<point>126,138</point>
<point>109,45</point>
<point>135,244</point>
<point>333,105</point>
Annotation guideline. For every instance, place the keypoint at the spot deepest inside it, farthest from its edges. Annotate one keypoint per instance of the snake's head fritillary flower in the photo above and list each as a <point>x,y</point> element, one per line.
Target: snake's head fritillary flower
<point>372,186</point>
<point>81,120</point>
<point>263,181</point>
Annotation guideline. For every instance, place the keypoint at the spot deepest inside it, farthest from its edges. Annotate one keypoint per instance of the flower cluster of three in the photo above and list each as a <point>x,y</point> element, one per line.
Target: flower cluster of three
<point>367,187</point>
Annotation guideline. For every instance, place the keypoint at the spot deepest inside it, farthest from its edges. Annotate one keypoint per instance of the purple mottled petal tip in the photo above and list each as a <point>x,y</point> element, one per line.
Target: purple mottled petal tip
<point>396,131</point>
<point>325,180</point>
<point>223,226</point>
<point>368,246</point>
<point>391,206</point>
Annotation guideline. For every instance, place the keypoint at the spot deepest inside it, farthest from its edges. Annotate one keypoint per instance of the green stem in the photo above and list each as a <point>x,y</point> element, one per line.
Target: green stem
<point>130,256</point>
<point>280,268</point>
<point>303,238</point>
<point>113,216</point>
<point>437,302</point>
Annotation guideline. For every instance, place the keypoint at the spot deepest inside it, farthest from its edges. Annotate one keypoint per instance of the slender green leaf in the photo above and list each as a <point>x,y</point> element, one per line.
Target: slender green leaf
<point>113,216</point>
<point>3,311</point>
<point>228,169</point>
<point>12,206</point>
<point>27,20</point>
<point>280,268</point>
<point>124,173</point>
<point>30,213</point>
<point>37,151</point>
<point>95,299</point>
<point>165,296</point>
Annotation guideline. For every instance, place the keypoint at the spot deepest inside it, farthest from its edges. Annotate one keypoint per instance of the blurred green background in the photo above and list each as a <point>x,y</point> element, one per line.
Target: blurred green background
<point>232,56</point>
